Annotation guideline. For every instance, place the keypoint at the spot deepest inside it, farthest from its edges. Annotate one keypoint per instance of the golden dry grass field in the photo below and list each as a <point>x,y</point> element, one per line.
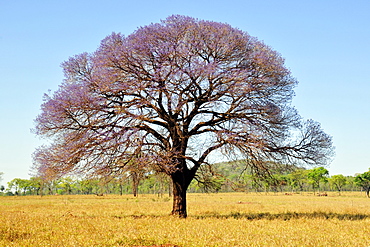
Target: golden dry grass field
<point>232,219</point>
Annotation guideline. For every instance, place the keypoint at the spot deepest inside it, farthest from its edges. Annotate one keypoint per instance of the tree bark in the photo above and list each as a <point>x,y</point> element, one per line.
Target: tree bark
<point>180,184</point>
<point>179,197</point>
<point>120,188</point>
<point>135,183</point>
<point>135,186</point>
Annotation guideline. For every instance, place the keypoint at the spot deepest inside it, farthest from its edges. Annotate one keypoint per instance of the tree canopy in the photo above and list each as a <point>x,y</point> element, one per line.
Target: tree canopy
<point>363,180</point>
<point>171,96</point>
<point>338,181</point>
<point>317,175</point>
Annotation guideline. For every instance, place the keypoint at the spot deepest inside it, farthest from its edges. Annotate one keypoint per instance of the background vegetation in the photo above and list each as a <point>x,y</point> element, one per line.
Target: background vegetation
<point>223,177</point>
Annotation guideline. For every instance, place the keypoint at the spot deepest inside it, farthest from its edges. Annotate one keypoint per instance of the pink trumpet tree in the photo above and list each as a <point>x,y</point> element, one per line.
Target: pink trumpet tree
<point>170,96</point>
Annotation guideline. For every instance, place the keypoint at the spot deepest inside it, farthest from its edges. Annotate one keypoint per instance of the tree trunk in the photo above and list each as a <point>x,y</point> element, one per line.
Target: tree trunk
<point>120,188</point>
<point>179,199</point>
<point>180,183</point>
<point>135,183</point>
<point>135,188</point>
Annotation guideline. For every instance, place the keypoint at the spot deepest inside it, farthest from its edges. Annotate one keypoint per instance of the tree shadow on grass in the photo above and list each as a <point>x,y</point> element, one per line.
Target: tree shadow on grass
<point>283,216</point>
<point>263,216</point>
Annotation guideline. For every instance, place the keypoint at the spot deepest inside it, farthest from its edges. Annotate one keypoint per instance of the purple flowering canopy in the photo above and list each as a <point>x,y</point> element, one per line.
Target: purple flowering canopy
<point>168,97</point>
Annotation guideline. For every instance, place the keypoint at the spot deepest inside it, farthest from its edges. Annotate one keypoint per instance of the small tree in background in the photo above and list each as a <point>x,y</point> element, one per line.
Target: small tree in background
<point>298,179</point>
<point>338,181</point>
<point>18,184</point>
<point>316,176</point>
<point>363,181</point>
<point>169,96</point>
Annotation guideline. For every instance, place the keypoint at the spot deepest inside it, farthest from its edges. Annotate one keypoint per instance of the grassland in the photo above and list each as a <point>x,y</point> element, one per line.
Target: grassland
<point>233,219</point>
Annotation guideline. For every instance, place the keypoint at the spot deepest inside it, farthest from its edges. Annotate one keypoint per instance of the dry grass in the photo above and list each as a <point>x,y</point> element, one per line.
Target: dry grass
<point>233,219</point>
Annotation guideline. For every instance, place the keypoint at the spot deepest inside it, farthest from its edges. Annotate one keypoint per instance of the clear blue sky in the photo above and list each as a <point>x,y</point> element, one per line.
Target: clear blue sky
<point>326,44</point>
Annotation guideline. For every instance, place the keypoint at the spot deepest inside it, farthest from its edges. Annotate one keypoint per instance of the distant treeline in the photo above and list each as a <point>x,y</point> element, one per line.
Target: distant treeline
<point>221,177</point>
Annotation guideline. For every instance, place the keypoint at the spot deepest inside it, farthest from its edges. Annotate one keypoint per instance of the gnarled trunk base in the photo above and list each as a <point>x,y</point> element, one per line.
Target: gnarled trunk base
<point>179,200</point>
<point>180,183</point>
